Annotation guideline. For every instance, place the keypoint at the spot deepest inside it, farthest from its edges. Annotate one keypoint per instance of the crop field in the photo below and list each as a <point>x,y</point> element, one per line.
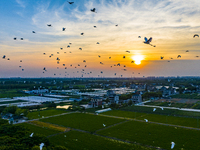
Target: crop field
<point>171,112</point>
<point>40,130</point>
<point>189,122</point>
<point>11,93</point>
<point>45,113</point>
<point>82,121</point>
<point>126,114</point>
<point>155,135</point>
<point>85,141</point>
<point>9,102</point>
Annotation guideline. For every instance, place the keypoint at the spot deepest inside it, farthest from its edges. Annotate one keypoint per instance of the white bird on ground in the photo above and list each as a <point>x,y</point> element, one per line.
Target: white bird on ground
<point>41,145</point>
<point>146,120</point>
<point>172,145</point>
<point>31,135</point>
<point>154,109</point>
<point>104,125</point>
<point>102,106</point>
<point>162,108</point>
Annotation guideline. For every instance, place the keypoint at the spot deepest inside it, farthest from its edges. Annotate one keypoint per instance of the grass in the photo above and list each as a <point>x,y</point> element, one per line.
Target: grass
<point>48,125</point>
<point>40,130</point>
<point>11,93</point>
<point>189,122</point>
<point>169,112</point>
<point>45,113</point>
<point>82,121</point>
<point>154,135</point>
<point>126,114</point>
<point>84,141</point>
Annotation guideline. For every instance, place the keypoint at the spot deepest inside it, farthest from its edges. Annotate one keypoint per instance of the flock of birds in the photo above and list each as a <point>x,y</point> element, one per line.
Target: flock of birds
<point>146,41</point>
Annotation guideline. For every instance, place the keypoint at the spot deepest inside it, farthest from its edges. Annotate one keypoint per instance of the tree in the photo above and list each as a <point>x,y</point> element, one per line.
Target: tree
<point>130,102</point>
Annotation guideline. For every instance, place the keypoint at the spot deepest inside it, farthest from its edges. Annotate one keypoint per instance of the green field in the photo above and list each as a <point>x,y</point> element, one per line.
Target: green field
<point>45,113</point>
<point>169,112</point>
<point>11,93</point>
<point>82,121</point>
<point>155,135</point>
<point>126,114</point>
<point>189,122</point>
<point>40,130</point>
<point>75,140</point>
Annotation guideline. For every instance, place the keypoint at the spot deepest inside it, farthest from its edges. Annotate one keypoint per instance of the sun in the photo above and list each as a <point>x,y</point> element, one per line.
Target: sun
<point>137,59</point>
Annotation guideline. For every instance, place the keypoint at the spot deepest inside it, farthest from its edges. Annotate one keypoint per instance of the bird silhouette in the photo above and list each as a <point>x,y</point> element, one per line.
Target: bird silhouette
<point>196,35</point>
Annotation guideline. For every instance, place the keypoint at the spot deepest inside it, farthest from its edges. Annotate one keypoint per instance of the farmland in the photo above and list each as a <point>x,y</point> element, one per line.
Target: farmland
<point>182,121</point>
<point>155,135</point>
<point>82,121</point>
<point>45,113</point>
<point>83,141</point>
<point>40,130</point>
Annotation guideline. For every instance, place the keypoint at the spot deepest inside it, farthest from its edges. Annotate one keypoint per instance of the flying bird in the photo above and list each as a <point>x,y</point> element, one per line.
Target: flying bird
<point>109,57</point>
<point>116,25</point>
<point>139,36</point>
<point>93,10</point>
<point>128,51</point>
<point>161,57</point>
<point>99,56</point>
<point>22,38</point>
<point>95,26</point>
<point>33,31</point>
<point>4,56</point>
<point>147,41</point>
<point>31,135</point>
<point>154,109</point>
<point>179,56</point>
<point>20,60</point>
<point>68,46</point>
<point>187,51</point>
<point>63,29</point>
<point>124,56</point>
<point>132,61</point>
<point>98,43</point>
<point>70,2</point>
<point>172,145</point>
<point>82,33</point>
<point>104,125</point>
<point>15,38</point>
<point>41,146</point>
<point>49,25</point>
<point>195,35</point>
<point>146,120</point>
<point>80,48</point>
<point>61,48</point>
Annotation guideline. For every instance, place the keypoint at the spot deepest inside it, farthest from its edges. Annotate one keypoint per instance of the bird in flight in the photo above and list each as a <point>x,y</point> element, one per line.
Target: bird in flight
<point>70,2</point>
<point>49,25</point>
<point>161,57</point>
<point>93,10</point>
<point>63,29</point>
<point>172,145</point>
<point>146,120</point>
<point>33,31</point>
<point>179,56</point>
<point>82,33</point>
<point>195,35</point>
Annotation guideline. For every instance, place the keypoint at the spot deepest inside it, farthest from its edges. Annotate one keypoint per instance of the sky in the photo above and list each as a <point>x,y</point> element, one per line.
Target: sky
<point>171,24</point>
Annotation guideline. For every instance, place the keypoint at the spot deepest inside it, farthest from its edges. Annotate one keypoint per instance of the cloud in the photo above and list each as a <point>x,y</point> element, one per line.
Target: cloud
<point>21,3</point>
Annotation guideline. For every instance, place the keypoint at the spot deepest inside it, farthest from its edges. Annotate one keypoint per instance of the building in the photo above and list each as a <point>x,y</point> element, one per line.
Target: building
<point>96,101</point>
<point>136,98</point>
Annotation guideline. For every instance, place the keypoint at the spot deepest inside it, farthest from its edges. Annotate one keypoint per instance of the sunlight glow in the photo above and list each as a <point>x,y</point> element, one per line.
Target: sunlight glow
<point>137,59</point>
